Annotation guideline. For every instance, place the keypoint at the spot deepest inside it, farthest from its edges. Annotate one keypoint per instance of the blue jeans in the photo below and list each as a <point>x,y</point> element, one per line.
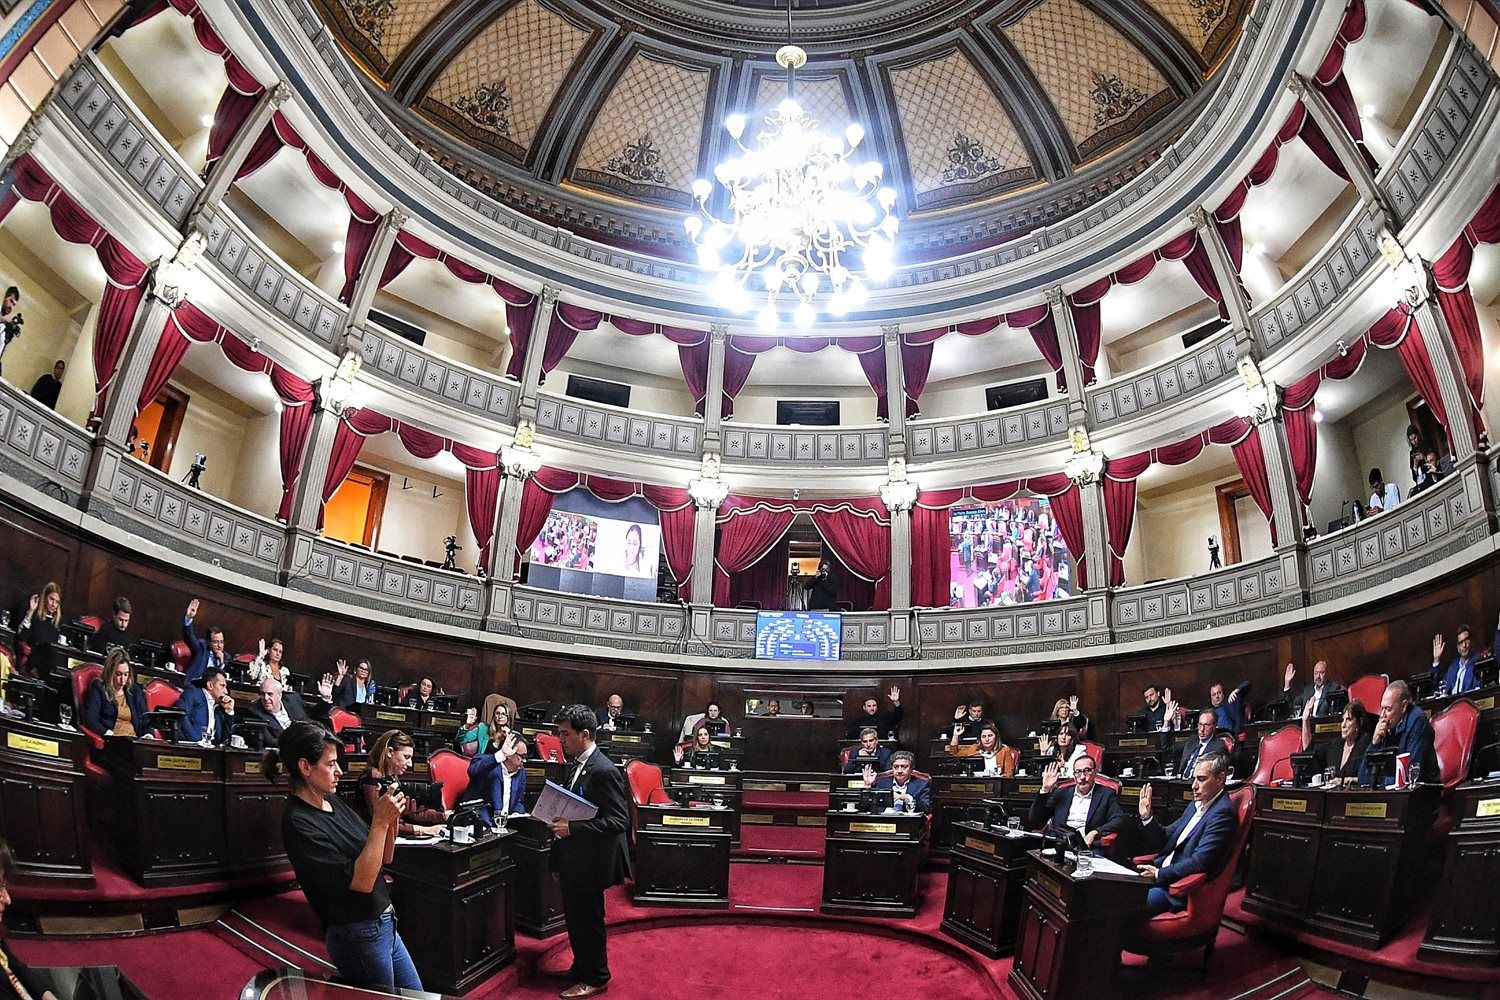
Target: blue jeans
<point>370,953</point>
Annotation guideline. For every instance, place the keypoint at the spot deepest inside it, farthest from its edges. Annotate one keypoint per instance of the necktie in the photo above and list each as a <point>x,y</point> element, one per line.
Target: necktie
<point>577,773</point>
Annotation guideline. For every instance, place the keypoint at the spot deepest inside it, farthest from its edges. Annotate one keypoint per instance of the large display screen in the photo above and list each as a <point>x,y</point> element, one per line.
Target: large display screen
<point>603,549</point>
<point>1008,552</point>
<point>798,635</point>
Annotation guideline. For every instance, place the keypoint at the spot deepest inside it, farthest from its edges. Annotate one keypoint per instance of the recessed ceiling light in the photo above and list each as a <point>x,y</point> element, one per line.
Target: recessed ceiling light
<point>206,121</point>
<point>338,246</point>
<point>1317,416</point>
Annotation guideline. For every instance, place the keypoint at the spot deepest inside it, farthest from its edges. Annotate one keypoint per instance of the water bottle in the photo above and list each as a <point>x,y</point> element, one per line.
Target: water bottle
<point>1414,775</point>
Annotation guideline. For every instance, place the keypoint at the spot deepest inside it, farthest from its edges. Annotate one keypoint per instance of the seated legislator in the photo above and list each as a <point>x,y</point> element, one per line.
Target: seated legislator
<point>489,737</point>
<point>210,710</point>
<point>1317,692</point>
<point>996,757</point>
<point>885,723</point>
<point>1201,743</point>
<point>268,663</point>
<point>205,652</point>
<point>908,792</point>
<point>1160,711</point>
<point>1459,676</point>
<point>1066,711</point>
<point>391,758</point>
<point>40,628</point>
<point>967,719</point>
<point>713,718</point>
<point>357,688</point>
<point>613,717</point>
<point>422,695</point>
<point>116,629</point>
<point>1403,726</point>
<point>279,708</point>
<point>1344,755</point>
<point>696,754</point>
<point>1085,805</point>
<point>1200,839</point>
<point>1066,748</point>
<point>1229,712</point>
<point>113,706</point>
<point>497,782</point>
<point>869,753</point>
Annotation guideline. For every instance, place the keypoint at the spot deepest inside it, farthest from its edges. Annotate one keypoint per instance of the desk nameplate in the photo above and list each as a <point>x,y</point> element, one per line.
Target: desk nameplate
<point>982,846</point>
<point>1135,742</point>
<point>1365,810</point>
<point>1485,704</point>
<point>482,858</point>
<point>174,762</point>
<point>390,716</point>
<point>865,827</point>
<point>670,820</point>
<point>978,787</point>
<point>32,744</point>
<point>707,779</point>
<point>1289,805</point>
<point>1487,807</point>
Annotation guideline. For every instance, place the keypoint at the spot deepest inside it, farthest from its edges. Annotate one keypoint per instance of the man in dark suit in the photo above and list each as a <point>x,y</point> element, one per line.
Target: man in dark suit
<point>1317,692</point>
<point>1229,710</point>
<point>589,856</point>
<point>210,710</point>
<point>613,716</point>
<point>116,629</point>
<point>497,781</point>
<point>1459,677</point>
<point>968,720</point>
<point>885,723</point>
<point>869,753</point>
<point>1201,743</point>
<point>1199,841</point>
<point>1403,727</point>
<point>278,708</point>
<point>206,653</point>
<point>1085,805</point>
<point>908,792</point>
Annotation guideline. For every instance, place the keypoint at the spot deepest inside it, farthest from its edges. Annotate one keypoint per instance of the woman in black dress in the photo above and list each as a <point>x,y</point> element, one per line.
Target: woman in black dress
<point>1343,755</point>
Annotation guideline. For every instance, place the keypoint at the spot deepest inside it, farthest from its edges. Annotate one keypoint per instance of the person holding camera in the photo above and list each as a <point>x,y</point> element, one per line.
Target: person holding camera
<point>337,858</point>
<point>10,319</point>
<point>390,758</point>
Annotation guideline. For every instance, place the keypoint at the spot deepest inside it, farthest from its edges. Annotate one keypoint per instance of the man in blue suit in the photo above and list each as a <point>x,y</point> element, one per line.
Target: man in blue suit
<point>1229,712</point>
<point>1085,805</point>
<point>209,653</point>
<point>210,710</point>
<point>1198,842</point>
<point>908,792</point>
<point>869,753</point>
<point>1404,727</point>
<point>1460,676</point>
<point>497,782</point>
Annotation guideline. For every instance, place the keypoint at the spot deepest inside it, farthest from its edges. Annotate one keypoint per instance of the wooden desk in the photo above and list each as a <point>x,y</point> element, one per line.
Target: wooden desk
<point>1339,863</point>
<point>445,724</point>
<point>727,785</point>
<point>253,808</point>
<point>986,880</point>
<point>1465,925</point>
<point>952,798</point>
<point>1122,746</point>
<point>623,747</point>
<point>871,863</point>
<point>538,773</point>
<point>43,812</point>
<point>1486,699</point>
<point>376,719</point>
<point>537,895</point>
<point>454,905</point>
<point>1072,930</point>
<point>789,744</point>
<point>682,856</point>
<point>171,801</point>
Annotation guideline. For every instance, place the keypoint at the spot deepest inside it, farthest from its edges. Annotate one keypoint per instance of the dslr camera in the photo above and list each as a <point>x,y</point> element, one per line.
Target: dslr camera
<point>426,794</point>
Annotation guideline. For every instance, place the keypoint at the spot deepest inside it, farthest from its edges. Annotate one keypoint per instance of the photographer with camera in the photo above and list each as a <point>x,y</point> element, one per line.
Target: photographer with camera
<point>10,319</point>
<point>390,758</point>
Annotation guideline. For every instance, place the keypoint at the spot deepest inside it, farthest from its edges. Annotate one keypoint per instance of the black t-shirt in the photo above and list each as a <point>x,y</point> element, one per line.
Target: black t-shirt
<point>23,974</point>
<point>323,847</point>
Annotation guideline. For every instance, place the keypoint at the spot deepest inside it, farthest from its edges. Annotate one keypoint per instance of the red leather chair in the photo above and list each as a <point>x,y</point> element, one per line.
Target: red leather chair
<point>404,690</point>
<point>83,677</point>
<point>160,694</point>
<point>1096,751</point>
<point>844,755</point>
<point>549,747</point>
<point>1197,926</point>
<point>180,655</point>
<point>647,787</point>
<point>240,663</point>
<point>91,622</point>
<point>341,719</point>
<point>1453,731</point>
<point>1368,690</point>
<point>1274,759</point>
<point>452,769</point>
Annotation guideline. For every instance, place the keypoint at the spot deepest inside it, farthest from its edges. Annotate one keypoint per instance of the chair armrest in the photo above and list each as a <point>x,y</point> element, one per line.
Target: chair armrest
<point>94,738</point>
<point>1188,885</point>
<point>1108,840</point>
<point>1143,859</point>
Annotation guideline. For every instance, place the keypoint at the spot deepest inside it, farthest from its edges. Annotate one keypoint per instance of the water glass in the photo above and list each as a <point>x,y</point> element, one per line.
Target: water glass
<point>1085,865</point>
<point>1013,825</point>
<point>65,715</point>
<point>1328,775</point>
<point>1414,775</point>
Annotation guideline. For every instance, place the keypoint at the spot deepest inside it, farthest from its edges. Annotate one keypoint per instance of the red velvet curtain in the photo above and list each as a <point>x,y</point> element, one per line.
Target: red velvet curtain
<point>692,351</point>
<point>1297,412</point>
<point>1119,508</point>
<point>746,534</point>
<point>1329,80</point>
<point>1451,274</point>
<point>916,362</point>
<point>931,563</point>
<point>763,582</point>
<point>243,90</point>
<point>862,543</point>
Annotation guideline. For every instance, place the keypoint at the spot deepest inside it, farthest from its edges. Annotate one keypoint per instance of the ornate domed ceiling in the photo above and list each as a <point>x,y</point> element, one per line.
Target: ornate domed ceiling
<point>991,117</point>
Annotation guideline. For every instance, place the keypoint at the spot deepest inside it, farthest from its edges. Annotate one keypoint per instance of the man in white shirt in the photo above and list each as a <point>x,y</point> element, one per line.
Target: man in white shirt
<point>1383,495</point>
<point>1199,841</point>
<point>497,781</point>
<point>1086,806</point>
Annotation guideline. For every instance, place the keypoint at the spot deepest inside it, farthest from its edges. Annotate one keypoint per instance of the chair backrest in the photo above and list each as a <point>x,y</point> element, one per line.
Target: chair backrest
<point>160,694</point>
<point>1368,689</point>
<point>404,690</point>
<point>1207,903</point>
<point>1109,783</point>
<point>646,784</point>
<point>689,723</point>
<point>341,719</point>
<point>91,622</point>
<point>82,678</point>
<point>1096,751</point>
<point>844,756</point>
<point>1274,759</point>
<point>452,769</point>
<point>1453,732</point>
<point>549,747</point>
<point>242,661</point>
<point>487,712</point>
<point>180,654</point>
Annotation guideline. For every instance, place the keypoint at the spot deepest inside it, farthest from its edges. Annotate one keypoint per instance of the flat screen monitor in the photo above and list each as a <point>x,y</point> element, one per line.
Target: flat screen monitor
<point>588,546</point>
<point>1007,552</point>
<point>798,635</point>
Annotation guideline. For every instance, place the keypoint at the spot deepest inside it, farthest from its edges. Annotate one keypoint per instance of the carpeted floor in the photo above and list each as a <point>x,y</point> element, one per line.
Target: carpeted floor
<point>782,841</point>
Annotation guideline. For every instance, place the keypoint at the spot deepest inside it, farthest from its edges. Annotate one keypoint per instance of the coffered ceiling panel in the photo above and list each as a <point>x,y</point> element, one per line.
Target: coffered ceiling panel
<point>1102,86</point>
<point>496,92</point>
<point>379,29</point>
<point>958,140</point>
<point>822,97</point>
<point>1207,24</point>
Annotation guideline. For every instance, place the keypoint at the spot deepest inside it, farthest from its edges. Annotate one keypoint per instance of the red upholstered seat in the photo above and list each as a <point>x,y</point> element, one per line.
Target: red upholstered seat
<point>160,694</point>
<point>1453,732</point>
<point>180,656</point>
<point>341,719</point>
<point>403,691</point>
<point>241,662</point>
<point>1368,690</point>
<point>1197,926</point>
<point>844,756</point>
<point>91,622</point>
<point>549,747</point>
<point>452,769</point>
<point>83,677</point>
<point>647,788</point>
<point>1274,760</point>
<point>1096,751</point>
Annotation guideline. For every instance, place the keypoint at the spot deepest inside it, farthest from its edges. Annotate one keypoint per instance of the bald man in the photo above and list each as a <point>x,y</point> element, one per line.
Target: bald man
<point>1317,692</point>
<point>279,708</point>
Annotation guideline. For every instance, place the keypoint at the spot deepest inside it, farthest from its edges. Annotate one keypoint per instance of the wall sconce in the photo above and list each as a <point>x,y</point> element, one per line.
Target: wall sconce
<point>1085,465</point>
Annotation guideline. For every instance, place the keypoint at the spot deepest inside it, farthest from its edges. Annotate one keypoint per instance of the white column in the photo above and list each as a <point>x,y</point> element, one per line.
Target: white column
<point>705,522</point>
<point>895,389</point>
<point>367,283</point>
<point>1448,371</point>
<point>536,347</point>
<point>507,523</point>
<point>1072,361</point>
<point>1224,273</point>
<point>1348,151</point>
<point>713,392</point>
<point>221,175</point>
<point>1095,534</point>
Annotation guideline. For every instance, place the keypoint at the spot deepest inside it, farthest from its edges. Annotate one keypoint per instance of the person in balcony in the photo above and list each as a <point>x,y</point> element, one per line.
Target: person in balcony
<point>48,386</point>
<point>1383,495</point>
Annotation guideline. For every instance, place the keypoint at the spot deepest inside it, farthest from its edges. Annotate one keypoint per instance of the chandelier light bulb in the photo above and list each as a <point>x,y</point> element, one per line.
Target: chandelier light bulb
<point>767,319</point>
<point>838,304</point>
<point>708,257</point>
<point>886,197</point>
<point>702,188</point>
<point>854,134</point>
<point>804,314</point>
<point>810,285</point>
<point>789,108</point>
<point>735,126</point>
<point>692,225</point>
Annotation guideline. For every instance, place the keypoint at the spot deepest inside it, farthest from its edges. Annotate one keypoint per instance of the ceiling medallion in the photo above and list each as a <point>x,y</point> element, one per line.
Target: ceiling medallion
<point>802,216</point>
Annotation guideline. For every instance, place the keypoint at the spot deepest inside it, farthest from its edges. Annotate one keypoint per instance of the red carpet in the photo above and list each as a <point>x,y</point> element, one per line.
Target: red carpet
<point>762,801</point>
<point>781,841</point>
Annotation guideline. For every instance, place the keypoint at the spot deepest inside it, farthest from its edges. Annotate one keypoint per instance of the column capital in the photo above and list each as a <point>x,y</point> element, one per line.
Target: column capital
<point>550,294</point>
<point>718,332</point>
<point>890,332</point>
<point>1055,298</point>
<point>279,93</point>
<point>1297,84</point>
<point>30,133</point>
<point>395,220</point>
<point>1199,217</point>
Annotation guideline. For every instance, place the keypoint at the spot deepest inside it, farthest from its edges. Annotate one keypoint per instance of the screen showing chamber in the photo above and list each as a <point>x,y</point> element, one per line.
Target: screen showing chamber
<point>1007,552</point>
<point>797,635</point>
<point>603,549</point>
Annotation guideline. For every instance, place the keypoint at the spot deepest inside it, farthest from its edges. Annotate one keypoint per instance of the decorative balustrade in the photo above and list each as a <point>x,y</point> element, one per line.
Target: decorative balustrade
<point>1018,628</point>
<point>443,381</point>
<point>936,438</point>
<point>1296,307</point>
<point>1239,593</point>
<point>604,621</point>
<point>383,583</point>
<point>40,448</point>
<point>611,427</point>
<point>796,446</point>
<point>1182,376</point>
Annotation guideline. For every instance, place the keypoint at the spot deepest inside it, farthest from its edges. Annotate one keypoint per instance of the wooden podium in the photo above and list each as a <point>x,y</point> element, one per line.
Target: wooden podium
<point>682,856</point>
<point>453,903</point>
<point>952,796</point>
<point>1072,930</point>
<point>1337,862</point>
<point>1465,925</point>
<point>719,786</point>
<point>538,896</point>
<point>253,808</point>
<point>171,800</point>
<point>986,881</point>
<point>871,863</point>
<point>43,814</point>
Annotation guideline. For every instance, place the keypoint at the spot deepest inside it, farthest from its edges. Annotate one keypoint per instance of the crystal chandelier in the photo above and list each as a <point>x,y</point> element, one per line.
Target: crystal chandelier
<point>802,215</point>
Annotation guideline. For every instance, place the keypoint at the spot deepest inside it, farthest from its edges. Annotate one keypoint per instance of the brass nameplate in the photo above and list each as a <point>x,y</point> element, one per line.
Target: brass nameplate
<point>1187,796</point>
<point>171,762</point>
<point>390,716</point>
<point>617,738</point>
<point>356,766</point>
<point>1138,741</point>
<point>854,783</point>
<point>30,744</point>
<point>1365,810</point>
<point>1048,883</point>
<point>684,821</point>
<point>253,767</point>
<point>979,845</point>
<point>1029,789</point>
<point>1130,793</point>
<point>448,724</point>
<point>536,772</point>
<point>1485,704</point>
<point>858,827</point>
<point>533,730</point>
<point>1289,805</point>
<point>484,858</point>
<point>721,744</point>
<point>969,786</point>
<point>706,779</point>
<point>1324,728</point>
<point>1487,807</point>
